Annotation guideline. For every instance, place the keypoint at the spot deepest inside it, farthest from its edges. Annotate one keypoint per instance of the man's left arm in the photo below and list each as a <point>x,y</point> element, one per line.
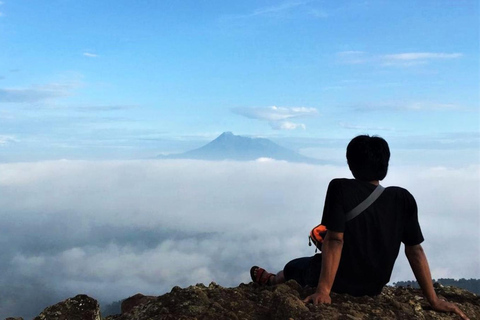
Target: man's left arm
<point>419,264</point>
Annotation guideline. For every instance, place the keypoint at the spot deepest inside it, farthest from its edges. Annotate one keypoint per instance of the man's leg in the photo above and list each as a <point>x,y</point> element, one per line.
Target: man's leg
<point>278,278</point>
<point>263,277</point>
<point>298,270</point>
<point>302,269</point>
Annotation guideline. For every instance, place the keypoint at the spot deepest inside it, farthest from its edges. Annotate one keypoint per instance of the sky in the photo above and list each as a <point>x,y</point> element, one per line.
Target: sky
<point>92,91</point>
<point>128,80</point>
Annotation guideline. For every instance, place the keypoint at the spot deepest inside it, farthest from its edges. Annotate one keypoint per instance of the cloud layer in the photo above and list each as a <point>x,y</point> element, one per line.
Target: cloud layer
<point>111,229</point>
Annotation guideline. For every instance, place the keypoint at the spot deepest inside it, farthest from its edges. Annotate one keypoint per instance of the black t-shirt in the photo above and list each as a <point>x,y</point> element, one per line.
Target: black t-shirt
<point>372,239</point>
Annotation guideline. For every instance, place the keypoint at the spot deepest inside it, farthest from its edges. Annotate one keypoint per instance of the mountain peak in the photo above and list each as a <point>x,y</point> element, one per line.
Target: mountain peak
<point>226,135</point>
<point>228,146</point>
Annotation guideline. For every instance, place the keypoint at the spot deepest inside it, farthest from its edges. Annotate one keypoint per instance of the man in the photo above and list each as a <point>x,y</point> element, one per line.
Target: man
<point>358,255</point>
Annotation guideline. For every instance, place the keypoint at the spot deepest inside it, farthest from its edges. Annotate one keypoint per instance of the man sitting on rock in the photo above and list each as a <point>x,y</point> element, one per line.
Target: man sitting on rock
<point>358,255</point>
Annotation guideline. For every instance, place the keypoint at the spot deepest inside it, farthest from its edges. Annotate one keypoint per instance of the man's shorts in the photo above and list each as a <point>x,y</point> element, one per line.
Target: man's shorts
<point>306,271</point>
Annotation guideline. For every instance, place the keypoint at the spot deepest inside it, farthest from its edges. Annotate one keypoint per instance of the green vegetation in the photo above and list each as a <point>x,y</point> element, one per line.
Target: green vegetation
<point>472,285</point>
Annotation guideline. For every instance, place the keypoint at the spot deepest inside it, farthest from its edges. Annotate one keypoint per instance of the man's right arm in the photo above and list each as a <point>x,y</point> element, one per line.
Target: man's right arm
<point>331,254</point>
<point>419,264</point>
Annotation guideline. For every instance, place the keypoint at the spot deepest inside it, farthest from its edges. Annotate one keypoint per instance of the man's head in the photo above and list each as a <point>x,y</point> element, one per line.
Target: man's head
<point>368,158</point>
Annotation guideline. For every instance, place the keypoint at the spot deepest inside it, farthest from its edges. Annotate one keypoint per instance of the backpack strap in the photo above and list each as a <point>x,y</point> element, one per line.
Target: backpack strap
<point>365,203</point>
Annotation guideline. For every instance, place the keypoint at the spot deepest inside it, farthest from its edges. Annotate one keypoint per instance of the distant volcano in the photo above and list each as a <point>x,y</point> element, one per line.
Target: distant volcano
<point>228,146</point>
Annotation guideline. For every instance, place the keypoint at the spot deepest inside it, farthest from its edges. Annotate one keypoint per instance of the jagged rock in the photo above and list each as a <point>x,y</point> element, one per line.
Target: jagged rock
<point>284,301</point>
<point>12,318</point>
<point>81,307</point>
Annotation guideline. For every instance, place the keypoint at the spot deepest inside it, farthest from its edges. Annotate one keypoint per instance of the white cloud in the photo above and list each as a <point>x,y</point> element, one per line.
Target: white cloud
<point>433,106</point>
<point>445,211</point>
<point>21,95</point>
<point>39,93</point>
<point>409,106</point>
<point>105,108</point>
<point>415,58</point>
<point>282,10</point>
<point>264,159</point>
<point>405,59</point>
<point>111,229</point>
<point>409,56</point>
<point>5,140</point>
<point>277,116</point>
<point>366,128</point>
<point>275,113</point>
<point>90,55</point>
<point>286,6</point>
<point>287,125</point>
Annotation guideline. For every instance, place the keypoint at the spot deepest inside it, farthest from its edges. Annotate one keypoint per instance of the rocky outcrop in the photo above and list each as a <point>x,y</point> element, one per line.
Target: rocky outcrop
<point>285,302</point>
<point>136,300</point>
<point>250,301</point>
<point>81,307</point>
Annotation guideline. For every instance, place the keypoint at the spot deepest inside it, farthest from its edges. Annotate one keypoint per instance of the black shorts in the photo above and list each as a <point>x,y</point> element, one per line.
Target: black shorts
<point>306,271</point>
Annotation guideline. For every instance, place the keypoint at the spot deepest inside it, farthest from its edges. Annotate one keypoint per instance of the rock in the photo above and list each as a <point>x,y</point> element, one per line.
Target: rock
<point>12,318</point>
<point>138,299</point>
<point>81,307</point>
<point>284,302</point>
<point>253,302</point>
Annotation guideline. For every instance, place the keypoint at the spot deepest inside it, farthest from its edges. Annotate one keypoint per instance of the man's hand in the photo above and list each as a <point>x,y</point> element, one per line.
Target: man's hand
<point>317,298</point>
<point>445,306</point>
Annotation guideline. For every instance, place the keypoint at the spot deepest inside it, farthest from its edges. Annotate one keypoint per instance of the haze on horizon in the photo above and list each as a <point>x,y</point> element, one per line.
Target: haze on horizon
<point>91,90</point>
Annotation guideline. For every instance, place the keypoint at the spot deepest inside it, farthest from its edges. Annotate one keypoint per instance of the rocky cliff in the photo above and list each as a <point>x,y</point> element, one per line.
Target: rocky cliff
<point>249,301</point>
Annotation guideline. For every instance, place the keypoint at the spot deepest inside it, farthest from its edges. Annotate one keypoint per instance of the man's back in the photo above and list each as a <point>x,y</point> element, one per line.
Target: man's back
<point>372,239</point>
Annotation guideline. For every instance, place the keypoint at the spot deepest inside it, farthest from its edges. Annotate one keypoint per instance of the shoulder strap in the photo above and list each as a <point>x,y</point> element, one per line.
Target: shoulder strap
<point>365,204</point>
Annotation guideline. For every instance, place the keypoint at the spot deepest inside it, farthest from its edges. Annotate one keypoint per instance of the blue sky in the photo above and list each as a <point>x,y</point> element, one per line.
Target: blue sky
<point>125,79</point>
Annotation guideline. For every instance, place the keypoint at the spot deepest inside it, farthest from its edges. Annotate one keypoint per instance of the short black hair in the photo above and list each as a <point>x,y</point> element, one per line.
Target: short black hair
<point>368,157</point>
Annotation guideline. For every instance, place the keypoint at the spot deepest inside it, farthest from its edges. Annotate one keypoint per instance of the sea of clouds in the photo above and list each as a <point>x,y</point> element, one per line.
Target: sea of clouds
<point>111,229</point>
